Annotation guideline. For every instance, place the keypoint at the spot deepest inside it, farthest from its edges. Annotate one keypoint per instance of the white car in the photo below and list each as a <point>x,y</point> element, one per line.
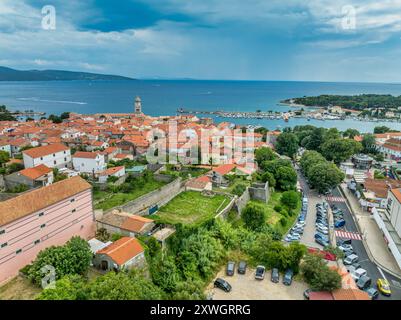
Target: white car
<point>321,226</point>
<point>322,231</point>
<point>345,247</point>
<point>358,273</point>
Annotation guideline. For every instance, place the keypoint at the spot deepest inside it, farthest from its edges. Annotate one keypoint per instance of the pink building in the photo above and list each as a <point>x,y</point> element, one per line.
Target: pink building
<point>42,218</point>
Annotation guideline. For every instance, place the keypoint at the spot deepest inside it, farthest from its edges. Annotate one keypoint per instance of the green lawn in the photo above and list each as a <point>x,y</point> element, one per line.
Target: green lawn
<point>191,207</point>
<point>112,200</point>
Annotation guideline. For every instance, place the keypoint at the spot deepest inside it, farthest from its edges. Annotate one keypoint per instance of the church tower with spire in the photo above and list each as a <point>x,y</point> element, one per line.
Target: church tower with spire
<point>138,105</point>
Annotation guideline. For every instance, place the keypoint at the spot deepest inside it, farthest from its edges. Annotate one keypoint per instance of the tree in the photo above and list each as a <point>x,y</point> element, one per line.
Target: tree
<point>381,129</point>
<point>71,287</point>
<point>269,178</point>
<point>273,166</point>
<point>4,157</point>
<point>124,286</point>
<point>164,273</point>
<point>325,176</point>
<point>290,199</point>
<point>339,150</point>
<point>55,119</point>
<point>318,275</point>
<point>65,115</point>
<point>287,144</point>
<point>286,178</point>
<point>72,258</point>
<point>315,140</point>
<point>369,144</point>
<point>5,115</point>
<point>264,154</point>
<point>254,216</point>
<point>351,133</point>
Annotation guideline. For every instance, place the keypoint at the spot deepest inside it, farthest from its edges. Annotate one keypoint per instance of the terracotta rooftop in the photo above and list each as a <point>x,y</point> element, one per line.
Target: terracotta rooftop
<point>381,187</point>
<point>45,150</point>
<point>123,250</point>
<point>135,223</point>
<point>111,171</point>
<point>36,172</point>
<point>397,194</point>
<point>85,155</point>
<point>34,201</point>
<point>350,294</point>
<point>224,169</point>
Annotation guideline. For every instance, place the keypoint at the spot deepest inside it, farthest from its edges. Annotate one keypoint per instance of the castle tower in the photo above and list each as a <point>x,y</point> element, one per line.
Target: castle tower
<point>138,105</point>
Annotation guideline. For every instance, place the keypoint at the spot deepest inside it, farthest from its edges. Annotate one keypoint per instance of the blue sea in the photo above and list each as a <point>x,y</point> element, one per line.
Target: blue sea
<point>164,97</point>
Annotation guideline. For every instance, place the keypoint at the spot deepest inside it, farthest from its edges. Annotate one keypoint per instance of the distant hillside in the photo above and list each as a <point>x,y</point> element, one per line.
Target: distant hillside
<point>8,74</point>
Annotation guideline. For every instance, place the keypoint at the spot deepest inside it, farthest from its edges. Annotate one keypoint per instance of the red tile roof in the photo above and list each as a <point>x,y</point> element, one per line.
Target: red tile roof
<point>123,250</point>
<point>135,223</point>
<point>45,150</point>
<point>85,155</point>
<point>111,171</point>
<point>36,172</point>
<point>225,168</point>
<point>34,201</point>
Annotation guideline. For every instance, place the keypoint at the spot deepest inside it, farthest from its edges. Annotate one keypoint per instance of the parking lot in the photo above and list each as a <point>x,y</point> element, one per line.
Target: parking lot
<point>246,287</point>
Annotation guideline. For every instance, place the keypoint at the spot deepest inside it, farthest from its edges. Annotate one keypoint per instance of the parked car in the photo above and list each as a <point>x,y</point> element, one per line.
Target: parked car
<point>222,284</point>
<point>351,259</point>
<point>242,267</point>
<point>321,226</point>
<point>230,268</point>
<point>345,247</point>
<point>322,242</point>
<point>384,287</point>
<point>321,236</point>
<point>372,292</point>
<point>339,223</point>
<point>325,232</point>
<point>348,253</point>
<point>356,265</point>
<point>260,272</point>
<point>287,279</point>
<point>275,275</point>
<point>364,282</point>
<point>340,242</point>
<point>357,274</point>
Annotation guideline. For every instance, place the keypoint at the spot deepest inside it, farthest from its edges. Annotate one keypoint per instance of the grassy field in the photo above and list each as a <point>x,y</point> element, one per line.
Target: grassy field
<point>112,200</point>
<point>191,207</point>
<point>19,288</point>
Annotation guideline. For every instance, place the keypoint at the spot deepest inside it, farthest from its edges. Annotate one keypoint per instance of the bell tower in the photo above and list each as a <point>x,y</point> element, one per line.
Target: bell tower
<point>138,105</point>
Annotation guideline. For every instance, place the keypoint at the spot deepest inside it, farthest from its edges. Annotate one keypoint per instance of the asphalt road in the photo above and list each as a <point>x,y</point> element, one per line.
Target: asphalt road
<point>374,272</point>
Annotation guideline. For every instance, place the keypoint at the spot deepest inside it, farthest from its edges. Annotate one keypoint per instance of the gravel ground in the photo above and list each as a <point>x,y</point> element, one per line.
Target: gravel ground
<point>246,287</point>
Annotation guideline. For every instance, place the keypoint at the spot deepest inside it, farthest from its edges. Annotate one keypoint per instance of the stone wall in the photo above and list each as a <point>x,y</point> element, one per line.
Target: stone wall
<point>224,213</point>
<point>159,197</point>
<point>241,202</point>
<point>260,191</point>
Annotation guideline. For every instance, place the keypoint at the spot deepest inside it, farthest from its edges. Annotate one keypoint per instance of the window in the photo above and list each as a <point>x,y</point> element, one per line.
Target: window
<point>2,231</point>
<point>72,200</point>
<point>18,251</point>
<point>75,210</point>
<point>4,245</point>
<point>43,225</point>
<point>41,214</point>
<point>54,155</point>
<point>36,242</point>
<point>55,162</point>
<point>41,158</point>
<point>65,152</point>
<point>65,159</point>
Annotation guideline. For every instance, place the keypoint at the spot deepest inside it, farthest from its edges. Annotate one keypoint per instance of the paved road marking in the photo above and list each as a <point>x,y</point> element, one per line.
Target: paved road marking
<point>348,235</point>
<point>335,199</point>
<point>382,273</point>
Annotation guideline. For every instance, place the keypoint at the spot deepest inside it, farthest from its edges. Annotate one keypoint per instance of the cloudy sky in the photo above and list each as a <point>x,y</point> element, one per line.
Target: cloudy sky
<point>317,40</point>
